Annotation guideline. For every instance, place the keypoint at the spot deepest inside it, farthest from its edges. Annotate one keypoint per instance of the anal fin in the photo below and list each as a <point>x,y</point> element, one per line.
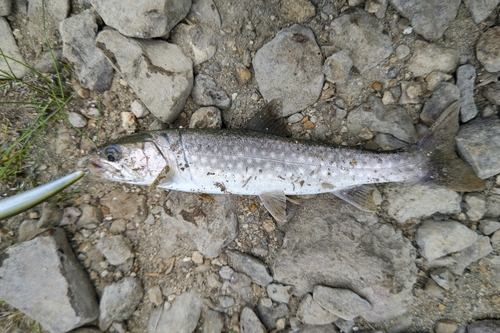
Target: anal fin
<point>275,203</point>
<point>361,197</point>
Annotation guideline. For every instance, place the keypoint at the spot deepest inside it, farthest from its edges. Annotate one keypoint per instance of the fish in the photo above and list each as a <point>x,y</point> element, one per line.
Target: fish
<point>20,202</point>
<point>257,161</point>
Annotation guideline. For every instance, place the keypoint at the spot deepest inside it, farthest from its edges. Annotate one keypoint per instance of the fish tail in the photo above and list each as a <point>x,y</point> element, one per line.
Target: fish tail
<point>444,167</point>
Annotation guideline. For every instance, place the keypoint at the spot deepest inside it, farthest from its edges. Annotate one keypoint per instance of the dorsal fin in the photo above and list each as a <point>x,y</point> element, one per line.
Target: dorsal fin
<point>269,120</point>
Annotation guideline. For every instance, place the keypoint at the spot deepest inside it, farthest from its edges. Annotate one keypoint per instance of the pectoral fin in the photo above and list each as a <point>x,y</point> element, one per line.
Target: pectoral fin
<point>275,203</point>
<point>359,196</point>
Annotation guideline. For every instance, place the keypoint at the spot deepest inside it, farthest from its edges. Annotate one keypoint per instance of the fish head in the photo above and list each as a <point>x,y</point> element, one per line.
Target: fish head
<point>135,159</point>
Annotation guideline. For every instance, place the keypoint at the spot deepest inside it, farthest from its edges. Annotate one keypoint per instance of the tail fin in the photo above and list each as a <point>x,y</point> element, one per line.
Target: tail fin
<point>445,168</point>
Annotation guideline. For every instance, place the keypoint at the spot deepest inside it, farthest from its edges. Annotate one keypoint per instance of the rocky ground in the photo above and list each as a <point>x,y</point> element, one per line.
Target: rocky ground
<point>376,74</point>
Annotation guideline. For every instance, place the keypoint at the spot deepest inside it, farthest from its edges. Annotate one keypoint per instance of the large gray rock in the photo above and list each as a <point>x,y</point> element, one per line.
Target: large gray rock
<point>466,79</point>
<point>480,10</point>
<point>361,34</point>
<point>196,41</point>
<point>116,249</point>
<point>5,7</point>
<point>141,18</point>
<point>430,18</point>
<point>290,68</point>
<point>43,279</point>
<point>158,72</point>
<point>59,9</point>
<point>478,143</point>
<point>250,266</point>
<point>181,317</point>
<point>438,238</point>
<point>119,301</point>
<point>210,225</point>
<point>250,323</point>
<point>78,34</point>
<point>443,96</point>
<point>414,201</point>
<point>378,117</point>
<point>338,246</point>
<point>488,49</point>
<point>10,49</point>
<point>428,57</point>
<point>205,13</point>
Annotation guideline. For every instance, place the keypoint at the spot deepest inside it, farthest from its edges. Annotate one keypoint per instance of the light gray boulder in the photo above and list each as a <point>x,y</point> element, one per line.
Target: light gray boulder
<point>142,18</point>
<point>43,279</point>
<point>158,72</point>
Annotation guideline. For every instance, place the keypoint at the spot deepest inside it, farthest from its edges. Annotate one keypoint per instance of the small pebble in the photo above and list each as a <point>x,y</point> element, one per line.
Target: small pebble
<point>197,257</point>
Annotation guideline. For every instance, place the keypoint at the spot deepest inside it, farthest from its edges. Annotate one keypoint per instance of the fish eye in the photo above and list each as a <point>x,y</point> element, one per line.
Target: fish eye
<point>111,153</point>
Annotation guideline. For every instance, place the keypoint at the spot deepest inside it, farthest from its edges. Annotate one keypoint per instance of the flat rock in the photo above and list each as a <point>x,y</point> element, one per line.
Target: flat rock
<point>28,230</point>
<point>429,18</point>
<point>205,13</point>
<point>126,205</point>
<point>280,293</point>
<point>341,302</point>
<point>462,259</point>
<point>78,35</point>
<point>339,247</point>
<point>116,249</point>
<point>310,312</point>
<point>158,72</point>
<point>466,80</point>
<point>142,19</point>
<point>181,317</point>
<point>362,35</point>
<point>119,301</point>
<point>443,96</point>
<point>10,49</point>
<point>484,326</point>
<point>44,280</point>
<point>476,206</point>
<point>197,42</point>
<point>378,117</point>
<point>429,57</point>
<point>90,214</point>
<point>439,238</point>
<point>210,225</point>
<point>480,10</point>
<point>5,7</point>
<point>478,144</point>
<point>414,201</point>
<point>250,266</point>
<point>207,93</point>
<point>488,49</point>
<point>214,322</point>
<point>250,323</point>
<point>289,68</point>
<point>338,67</point>
<point>488,227</point>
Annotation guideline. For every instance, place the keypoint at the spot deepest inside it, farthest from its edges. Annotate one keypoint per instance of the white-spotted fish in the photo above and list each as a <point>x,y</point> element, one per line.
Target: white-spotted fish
<point>247,162</point>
